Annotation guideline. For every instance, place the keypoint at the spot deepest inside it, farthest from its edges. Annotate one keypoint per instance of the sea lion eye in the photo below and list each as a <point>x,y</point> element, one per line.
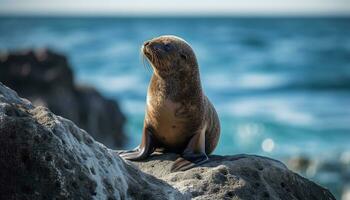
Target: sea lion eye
<point>167,47</point>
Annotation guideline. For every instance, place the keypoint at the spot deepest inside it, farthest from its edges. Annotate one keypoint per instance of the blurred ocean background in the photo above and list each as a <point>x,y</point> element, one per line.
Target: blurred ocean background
<point>281,86</point>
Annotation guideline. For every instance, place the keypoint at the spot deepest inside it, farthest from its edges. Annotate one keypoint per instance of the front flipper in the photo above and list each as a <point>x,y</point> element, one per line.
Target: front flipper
<point>141,152</point>
<point>193,155</point>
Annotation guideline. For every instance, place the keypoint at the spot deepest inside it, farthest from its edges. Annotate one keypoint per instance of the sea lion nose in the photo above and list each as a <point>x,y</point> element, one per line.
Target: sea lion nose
<point>146,43</point>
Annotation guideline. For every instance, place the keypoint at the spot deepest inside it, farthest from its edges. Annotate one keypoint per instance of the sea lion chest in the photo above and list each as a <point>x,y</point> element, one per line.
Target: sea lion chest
<point>169,129</point>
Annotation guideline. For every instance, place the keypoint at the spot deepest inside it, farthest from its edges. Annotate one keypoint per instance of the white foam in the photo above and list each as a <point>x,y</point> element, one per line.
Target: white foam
<point>287,112</point>
<point>116,84</point>
<point>243,81</point>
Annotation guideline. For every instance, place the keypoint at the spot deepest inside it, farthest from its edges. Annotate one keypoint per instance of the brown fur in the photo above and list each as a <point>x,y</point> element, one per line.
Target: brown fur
<point>176,108</point>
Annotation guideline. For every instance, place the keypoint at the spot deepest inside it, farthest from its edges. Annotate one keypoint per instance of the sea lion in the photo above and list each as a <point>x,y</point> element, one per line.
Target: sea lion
<point>179,117</point>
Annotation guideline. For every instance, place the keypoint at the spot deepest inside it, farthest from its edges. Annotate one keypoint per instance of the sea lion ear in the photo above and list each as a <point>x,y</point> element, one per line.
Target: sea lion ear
<point>183,56</point>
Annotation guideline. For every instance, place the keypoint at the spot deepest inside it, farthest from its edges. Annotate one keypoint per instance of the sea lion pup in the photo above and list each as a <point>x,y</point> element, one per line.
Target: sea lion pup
<point>179,117</point>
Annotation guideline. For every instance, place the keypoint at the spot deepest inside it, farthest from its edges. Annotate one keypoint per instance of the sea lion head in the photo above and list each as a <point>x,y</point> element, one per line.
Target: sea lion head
<point>169,54</point>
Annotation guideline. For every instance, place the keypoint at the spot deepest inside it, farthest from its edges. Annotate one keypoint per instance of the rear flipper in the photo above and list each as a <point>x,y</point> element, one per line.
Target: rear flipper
<point>193,155</point>
<point>185,162</point>
<point>141,152</point>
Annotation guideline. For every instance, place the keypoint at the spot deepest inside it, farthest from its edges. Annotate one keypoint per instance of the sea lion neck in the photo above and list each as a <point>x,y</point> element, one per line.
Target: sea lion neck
<point>176,86</point>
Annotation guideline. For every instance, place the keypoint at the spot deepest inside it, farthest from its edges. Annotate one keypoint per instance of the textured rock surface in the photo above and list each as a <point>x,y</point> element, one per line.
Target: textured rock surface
<point>236,177</point>
<point>45,78</point>
<point>44,156</point>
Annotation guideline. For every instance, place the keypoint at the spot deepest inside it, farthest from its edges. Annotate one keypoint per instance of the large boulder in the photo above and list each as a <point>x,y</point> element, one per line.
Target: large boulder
<point>236,177</point>
<point>46,79</point>
<point>44,156</point>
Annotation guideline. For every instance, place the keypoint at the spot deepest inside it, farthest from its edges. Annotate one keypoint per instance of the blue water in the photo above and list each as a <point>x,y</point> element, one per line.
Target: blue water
<point>281,86</point>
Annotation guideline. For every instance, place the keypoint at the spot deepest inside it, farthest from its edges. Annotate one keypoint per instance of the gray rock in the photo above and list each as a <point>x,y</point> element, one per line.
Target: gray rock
<point>332,172</point>
<point>44,156</point>
<point>236,177</point>
<point>46,79</point>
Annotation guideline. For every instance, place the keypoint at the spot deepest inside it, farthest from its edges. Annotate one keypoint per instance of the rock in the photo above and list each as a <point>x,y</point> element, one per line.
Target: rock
<point>332,172</point>
<point>346,193</point>
<point>236,177</point>
<point>44,156</point>
<point>46,79</point>
<point>299,163</point>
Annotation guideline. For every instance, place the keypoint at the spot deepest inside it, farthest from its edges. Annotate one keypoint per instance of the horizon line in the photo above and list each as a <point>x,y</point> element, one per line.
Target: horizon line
<point>182,15</point>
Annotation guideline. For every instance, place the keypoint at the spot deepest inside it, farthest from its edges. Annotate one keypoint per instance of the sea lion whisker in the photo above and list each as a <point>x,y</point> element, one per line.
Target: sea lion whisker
<point>142,57</point>
<point>144,63</point>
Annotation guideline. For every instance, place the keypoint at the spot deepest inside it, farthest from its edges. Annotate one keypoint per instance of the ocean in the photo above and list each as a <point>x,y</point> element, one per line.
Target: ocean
<point>281,86</point>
